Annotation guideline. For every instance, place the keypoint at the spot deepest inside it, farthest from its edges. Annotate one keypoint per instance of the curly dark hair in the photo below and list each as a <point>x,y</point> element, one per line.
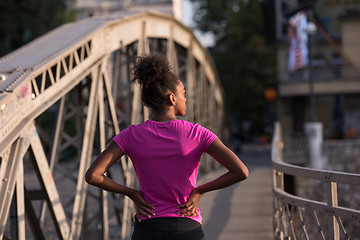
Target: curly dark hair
<point>155,77</point>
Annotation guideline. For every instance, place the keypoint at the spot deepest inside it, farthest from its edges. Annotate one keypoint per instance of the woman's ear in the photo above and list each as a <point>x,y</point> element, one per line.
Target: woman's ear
<point>172,98</point>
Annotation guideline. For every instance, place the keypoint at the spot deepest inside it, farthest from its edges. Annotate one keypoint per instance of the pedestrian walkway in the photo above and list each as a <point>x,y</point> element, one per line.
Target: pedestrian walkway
<point>242,211</point>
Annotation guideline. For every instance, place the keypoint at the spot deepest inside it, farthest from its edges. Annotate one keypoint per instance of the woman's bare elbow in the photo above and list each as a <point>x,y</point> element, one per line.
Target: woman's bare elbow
<point>244,174</point>
<point>89,177</point>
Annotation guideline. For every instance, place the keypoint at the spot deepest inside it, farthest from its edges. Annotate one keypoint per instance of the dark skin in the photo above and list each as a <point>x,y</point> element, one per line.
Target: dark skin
<point>237,171</point>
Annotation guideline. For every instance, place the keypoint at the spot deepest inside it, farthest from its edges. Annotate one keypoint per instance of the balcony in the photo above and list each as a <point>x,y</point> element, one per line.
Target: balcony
<point>327,80</point>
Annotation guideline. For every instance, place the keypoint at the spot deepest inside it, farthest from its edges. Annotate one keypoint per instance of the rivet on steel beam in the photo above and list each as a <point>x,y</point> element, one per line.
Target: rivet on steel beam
<point>2,77</point>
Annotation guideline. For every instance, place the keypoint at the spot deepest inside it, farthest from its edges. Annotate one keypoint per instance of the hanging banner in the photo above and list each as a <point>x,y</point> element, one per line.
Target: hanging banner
<point>298,52</point>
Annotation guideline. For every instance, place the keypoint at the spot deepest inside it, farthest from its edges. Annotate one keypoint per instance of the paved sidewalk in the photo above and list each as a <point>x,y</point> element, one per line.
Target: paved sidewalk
<point>242,211</point>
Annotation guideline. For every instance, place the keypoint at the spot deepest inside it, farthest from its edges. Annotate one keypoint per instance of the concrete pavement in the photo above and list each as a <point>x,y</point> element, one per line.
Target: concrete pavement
<point>242,211</point>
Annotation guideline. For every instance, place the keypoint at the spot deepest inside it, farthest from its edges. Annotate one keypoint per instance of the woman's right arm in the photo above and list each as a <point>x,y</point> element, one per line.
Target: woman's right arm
<point>237,171</point>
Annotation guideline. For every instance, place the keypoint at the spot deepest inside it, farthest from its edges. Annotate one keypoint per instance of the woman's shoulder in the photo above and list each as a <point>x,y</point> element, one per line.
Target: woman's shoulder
<point>187,124</point>
<point>184,122</point>
<point>130,129</point>
<point>177,124</point>
<point>197,127</point>
<point>192,124</point>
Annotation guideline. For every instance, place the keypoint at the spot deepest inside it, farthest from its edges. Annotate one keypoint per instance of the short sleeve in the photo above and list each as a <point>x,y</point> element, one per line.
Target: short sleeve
<point>122,138</point>
<point>207,138</point>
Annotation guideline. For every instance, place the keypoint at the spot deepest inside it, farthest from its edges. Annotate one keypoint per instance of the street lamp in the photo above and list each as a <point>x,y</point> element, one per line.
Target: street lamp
<point>313,129</point>
<point>311,30</point>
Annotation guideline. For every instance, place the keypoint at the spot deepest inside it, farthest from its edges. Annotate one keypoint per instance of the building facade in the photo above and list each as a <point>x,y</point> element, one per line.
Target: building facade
<point>332,76</point>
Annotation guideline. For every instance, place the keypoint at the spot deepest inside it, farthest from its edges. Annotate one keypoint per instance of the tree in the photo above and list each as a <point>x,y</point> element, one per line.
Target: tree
<point>24,20</point>
<point>242,54</point>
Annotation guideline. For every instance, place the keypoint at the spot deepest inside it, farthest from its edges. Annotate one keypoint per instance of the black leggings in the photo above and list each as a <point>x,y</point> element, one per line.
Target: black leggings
<point>168,228</point>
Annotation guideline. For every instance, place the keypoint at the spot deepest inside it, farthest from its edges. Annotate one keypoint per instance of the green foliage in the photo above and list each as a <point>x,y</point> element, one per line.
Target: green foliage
<point>23,20</point>
<point>244,59</point>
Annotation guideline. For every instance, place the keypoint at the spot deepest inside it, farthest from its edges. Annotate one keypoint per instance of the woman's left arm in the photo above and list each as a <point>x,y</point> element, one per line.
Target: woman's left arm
<point>95,176</point>
<point>237,172</point>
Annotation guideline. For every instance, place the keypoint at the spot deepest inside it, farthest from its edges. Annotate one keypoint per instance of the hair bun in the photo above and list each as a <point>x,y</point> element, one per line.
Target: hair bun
<point>154,75</point>
<point>151,69</point>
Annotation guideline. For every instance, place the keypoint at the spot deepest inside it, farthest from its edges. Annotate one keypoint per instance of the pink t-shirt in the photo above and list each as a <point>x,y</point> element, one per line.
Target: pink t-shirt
<point>166,157</point>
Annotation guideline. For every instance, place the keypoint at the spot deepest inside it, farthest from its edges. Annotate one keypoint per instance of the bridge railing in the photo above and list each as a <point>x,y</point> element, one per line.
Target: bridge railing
<point>324,214</point>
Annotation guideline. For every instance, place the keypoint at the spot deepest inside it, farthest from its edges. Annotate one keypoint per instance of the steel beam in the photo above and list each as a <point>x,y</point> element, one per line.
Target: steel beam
<point>55,147</point>
<point>17,211</point>
<point>104,194</point>
<point>9,168</point>
<point>86,155</point>
<point>47,182</point>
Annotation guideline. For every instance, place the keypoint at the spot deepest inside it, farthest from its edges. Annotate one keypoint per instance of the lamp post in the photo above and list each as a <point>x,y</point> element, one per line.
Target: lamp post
<point>311,30</point>
<point>313,129</point>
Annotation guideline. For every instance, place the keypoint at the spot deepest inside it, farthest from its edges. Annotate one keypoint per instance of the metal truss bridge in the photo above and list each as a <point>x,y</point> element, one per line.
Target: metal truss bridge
<point>63,97</point>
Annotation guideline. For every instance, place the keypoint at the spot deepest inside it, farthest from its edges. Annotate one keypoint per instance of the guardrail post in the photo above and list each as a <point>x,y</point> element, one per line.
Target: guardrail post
<point>332,200</point>
<point>278,183</point>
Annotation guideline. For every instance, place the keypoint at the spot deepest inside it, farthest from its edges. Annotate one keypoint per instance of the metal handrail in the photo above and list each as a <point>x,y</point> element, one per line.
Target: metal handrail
<point>284,224</point>
<point>322,175</point>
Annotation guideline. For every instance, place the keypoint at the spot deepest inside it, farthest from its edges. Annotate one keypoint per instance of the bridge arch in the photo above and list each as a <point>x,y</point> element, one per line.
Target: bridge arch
<point>75,80</point>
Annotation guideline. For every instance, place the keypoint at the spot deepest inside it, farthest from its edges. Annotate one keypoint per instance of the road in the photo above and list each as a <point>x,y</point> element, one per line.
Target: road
<point>242,211</point>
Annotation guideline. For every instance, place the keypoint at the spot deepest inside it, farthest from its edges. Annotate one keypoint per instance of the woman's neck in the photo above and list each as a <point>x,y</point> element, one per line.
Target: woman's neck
<point>164,116</point>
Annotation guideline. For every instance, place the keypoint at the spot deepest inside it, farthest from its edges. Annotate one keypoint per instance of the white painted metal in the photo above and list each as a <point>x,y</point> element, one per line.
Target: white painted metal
<point>48,183</point>
<point>104,195</point>
<point>86,155</point>
<point>54,151</point>
<point>8,176</point>
<point>18,206</point>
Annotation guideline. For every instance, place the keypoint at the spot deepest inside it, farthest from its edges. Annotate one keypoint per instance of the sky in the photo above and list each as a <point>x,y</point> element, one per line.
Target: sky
<point>206,39</point>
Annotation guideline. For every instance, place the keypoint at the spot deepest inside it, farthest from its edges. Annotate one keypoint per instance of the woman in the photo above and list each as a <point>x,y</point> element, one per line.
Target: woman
<point>165,153</point>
